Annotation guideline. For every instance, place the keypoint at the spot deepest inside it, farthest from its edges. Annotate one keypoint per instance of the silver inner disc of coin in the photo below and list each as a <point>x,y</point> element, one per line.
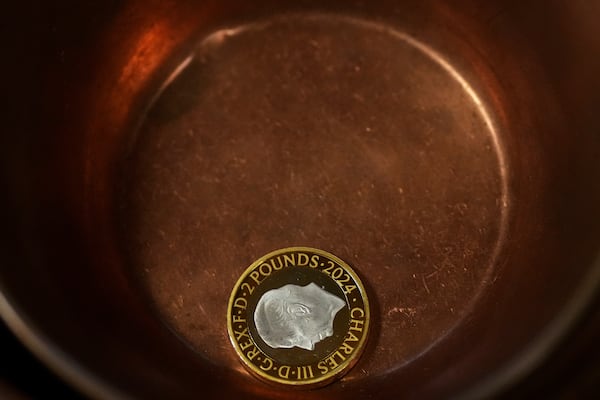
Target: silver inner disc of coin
<point>296,316</point>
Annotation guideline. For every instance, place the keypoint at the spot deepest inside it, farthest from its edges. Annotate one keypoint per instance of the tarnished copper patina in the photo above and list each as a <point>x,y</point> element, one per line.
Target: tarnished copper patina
<point>446,150</point>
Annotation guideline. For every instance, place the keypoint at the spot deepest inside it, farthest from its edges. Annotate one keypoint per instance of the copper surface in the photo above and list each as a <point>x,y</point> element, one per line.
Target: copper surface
<point>447,150</point>
<point>301,132</point>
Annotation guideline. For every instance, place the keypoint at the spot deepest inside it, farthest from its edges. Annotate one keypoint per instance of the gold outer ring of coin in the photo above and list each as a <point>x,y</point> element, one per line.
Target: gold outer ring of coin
<point>331,356</point>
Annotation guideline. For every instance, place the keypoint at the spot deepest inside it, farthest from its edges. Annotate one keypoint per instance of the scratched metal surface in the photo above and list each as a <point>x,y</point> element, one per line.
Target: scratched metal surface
<point>301,131</point>
<point>450,159</point>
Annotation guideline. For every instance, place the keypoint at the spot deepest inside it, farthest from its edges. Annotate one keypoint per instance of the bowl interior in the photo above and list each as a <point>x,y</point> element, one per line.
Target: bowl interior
<point>448,152</point>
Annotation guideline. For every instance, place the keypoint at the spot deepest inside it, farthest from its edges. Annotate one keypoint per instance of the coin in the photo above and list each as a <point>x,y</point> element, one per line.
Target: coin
<point>299,317</point>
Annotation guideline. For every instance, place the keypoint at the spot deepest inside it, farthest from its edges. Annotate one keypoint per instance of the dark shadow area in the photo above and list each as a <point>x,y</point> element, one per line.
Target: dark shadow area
<point>22,372</point>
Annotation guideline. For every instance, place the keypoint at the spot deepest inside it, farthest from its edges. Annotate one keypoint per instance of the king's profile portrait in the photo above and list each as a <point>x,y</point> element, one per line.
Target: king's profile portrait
<point>296,316</point>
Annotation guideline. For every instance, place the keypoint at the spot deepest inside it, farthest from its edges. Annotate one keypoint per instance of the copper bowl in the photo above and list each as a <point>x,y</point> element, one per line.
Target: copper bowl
<point>447,150</point>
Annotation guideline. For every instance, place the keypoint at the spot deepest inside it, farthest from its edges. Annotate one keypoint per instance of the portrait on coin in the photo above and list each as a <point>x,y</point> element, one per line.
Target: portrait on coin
<point>296,316</point>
